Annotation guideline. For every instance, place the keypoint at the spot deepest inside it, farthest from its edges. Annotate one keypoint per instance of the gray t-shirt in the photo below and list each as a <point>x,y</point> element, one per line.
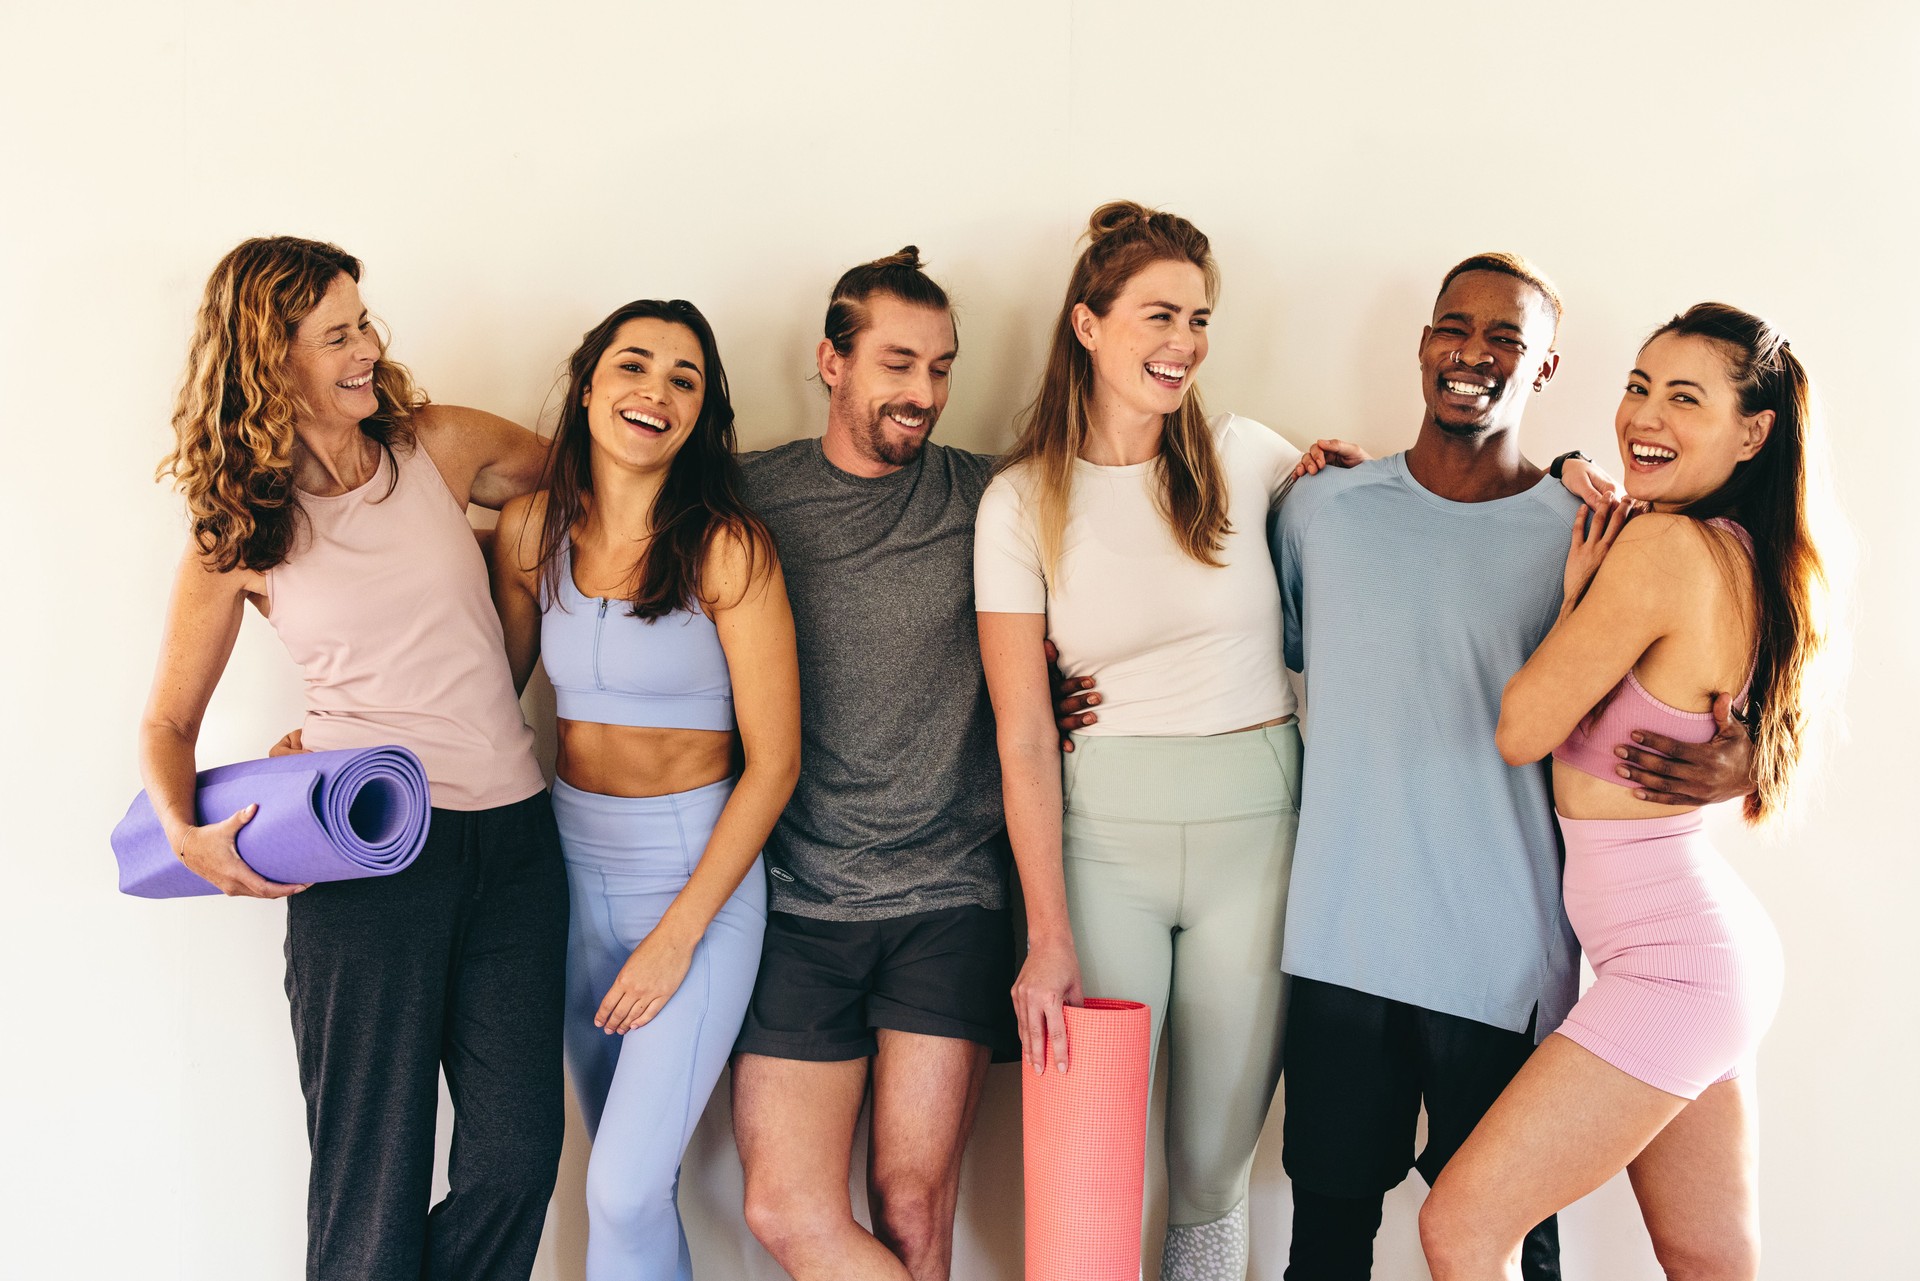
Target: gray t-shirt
<point>898,806</point>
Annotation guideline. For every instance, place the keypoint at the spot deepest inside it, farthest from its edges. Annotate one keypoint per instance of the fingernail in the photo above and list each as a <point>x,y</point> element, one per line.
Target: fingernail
<point>1638,737</point>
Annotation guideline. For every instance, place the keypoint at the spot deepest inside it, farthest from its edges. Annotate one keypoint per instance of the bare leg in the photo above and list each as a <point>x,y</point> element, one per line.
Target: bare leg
<point>793,1122</point>
<point>926,1090</point>
<point>1566,1124</point>
<point>1698,1186</point>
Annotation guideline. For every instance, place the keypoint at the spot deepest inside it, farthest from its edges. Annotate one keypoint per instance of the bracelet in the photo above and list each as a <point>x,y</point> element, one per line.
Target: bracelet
<point>1557,465</point>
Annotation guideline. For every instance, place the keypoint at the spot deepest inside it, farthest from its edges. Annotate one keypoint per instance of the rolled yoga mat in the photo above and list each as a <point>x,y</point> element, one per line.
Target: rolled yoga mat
<point>324,816</point>
<point>1085,1137</point>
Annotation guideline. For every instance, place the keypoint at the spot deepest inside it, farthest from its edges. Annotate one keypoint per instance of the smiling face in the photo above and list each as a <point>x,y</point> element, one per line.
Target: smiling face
<point>1147,348</point>
<point>1680,427</point>
<point>330,359</point>
<point>1489,348</point>
<point>646,394</point>
<point>887,393</point>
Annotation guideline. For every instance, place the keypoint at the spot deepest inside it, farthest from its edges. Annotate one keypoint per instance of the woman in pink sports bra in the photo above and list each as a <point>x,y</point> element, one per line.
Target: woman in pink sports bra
<point>1710,588</point>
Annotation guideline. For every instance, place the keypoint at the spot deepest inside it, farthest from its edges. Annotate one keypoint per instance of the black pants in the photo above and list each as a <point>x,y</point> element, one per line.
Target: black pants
<point>456,962</point>
<point>1358,1068</point>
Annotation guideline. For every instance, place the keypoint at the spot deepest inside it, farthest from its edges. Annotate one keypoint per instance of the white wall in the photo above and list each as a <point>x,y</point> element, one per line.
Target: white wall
<point>510,173</point>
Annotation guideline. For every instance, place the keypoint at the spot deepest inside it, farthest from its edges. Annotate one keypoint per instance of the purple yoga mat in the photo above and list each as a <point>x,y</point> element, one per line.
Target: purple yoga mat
<point>324,816</point>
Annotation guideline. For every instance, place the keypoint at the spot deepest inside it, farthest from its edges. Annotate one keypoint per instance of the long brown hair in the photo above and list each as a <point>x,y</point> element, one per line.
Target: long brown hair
<point>233,421</point>
<point>1123,239</point>
<point>1767,494</point>
<point>699,499</point>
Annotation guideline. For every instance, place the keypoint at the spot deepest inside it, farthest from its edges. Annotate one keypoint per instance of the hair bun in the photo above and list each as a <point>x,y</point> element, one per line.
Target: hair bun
<point>908,256</point>
<point>1116,215</point>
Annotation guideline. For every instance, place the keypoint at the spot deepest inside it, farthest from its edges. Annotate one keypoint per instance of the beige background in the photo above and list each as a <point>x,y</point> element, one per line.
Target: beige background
<point>510,173</point>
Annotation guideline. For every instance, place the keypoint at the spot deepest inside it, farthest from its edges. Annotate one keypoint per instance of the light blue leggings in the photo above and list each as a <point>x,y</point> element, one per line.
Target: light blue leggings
<point>643,1093</point>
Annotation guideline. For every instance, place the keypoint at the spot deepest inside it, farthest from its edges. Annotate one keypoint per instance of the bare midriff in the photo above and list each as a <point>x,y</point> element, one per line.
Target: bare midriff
<point>1580,795</point>
<point>631,760</point>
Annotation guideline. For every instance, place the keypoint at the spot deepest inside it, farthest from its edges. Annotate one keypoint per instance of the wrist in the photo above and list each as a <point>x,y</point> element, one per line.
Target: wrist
<point>1559,464</point>
<point>678,932</point>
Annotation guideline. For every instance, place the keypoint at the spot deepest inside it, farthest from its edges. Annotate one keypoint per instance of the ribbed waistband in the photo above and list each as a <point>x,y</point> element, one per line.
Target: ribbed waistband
<point>1605,832</point>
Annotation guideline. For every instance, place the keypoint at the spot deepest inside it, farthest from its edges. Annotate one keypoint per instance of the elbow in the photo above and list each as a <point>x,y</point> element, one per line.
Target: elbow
<point>1518,743</point>
<point>1514,750</point>
<point>778,772</point>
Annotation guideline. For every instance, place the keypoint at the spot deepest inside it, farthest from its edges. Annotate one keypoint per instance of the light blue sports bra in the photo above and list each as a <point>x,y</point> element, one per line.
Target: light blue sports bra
<point>610,668</point>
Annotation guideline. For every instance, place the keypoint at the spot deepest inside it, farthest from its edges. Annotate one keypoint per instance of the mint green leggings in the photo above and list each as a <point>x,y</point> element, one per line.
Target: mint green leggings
<point>1177,854</point>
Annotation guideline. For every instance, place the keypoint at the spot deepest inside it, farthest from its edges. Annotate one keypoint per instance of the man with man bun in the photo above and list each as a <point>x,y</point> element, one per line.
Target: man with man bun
<point>889,947</point>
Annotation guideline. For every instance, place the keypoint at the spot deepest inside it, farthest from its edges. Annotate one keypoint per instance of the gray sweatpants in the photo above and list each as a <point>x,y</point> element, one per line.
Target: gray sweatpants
<point>1177,853</point>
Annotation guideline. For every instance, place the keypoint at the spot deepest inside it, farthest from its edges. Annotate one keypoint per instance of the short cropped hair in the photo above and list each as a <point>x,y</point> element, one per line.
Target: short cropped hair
<point>1508,265</point>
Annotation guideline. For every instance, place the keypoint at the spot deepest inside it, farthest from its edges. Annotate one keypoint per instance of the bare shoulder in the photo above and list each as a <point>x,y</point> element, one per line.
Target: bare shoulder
<point>1666,560</point>
<point>740,562</point>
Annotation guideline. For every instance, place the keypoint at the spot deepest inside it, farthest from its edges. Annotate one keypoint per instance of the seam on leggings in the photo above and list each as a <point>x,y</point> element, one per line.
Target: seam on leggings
<point>1180,898</point>
<point>1292,788</point>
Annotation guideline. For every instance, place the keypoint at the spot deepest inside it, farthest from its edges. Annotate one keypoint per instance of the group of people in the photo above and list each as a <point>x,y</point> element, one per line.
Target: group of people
<point>806,719</point>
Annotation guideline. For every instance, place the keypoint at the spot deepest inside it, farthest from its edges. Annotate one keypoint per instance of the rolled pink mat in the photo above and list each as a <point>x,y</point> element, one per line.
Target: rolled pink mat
<point>1085,1137</point>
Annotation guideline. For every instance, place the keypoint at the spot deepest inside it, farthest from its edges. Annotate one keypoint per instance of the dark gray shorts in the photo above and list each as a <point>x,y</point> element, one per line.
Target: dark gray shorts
<point>824,986</point>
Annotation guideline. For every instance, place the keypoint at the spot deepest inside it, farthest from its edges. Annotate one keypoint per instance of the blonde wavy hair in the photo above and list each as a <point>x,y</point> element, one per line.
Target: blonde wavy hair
<point>1123,239</point>
<point>233,421</point>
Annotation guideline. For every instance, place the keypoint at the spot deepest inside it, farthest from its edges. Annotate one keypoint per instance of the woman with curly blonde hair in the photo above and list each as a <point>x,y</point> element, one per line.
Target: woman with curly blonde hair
<point>326,491</point>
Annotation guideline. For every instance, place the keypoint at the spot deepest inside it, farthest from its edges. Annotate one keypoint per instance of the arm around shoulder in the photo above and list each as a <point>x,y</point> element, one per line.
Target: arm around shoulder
<point>484,458</point>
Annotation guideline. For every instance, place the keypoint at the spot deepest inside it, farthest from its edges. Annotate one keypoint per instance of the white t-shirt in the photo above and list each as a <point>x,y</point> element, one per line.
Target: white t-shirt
<point>1176,646</point>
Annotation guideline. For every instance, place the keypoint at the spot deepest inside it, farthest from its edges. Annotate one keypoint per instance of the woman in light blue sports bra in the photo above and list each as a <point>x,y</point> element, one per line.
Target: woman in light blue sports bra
<point>655,598</point>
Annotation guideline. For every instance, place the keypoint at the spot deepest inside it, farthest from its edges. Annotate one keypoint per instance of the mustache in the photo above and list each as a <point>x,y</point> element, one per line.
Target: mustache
<point>905,410</point>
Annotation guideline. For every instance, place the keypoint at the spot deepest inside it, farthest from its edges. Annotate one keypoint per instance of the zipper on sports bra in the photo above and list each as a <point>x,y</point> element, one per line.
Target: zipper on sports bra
<point>597,624</point>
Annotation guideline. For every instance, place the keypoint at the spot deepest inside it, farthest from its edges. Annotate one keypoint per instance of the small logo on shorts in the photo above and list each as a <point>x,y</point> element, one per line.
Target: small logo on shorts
<point>780,874</point>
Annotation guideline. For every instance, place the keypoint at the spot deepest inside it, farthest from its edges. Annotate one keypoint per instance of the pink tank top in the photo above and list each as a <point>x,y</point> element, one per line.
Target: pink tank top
<point>385,606</point>
<point>1628,707</point>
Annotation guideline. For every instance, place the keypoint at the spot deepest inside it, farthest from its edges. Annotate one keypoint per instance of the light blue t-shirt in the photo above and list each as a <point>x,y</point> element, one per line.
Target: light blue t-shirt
<point>1427,869</point>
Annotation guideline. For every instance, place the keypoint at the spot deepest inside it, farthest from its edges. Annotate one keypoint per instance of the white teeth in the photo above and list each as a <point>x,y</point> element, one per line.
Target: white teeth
<point>1651,453</point>
<point>1172,372</point>
<point>905,421</point>
<point>1466,389</point>
<point>359,382</point>
<point>645,420</point>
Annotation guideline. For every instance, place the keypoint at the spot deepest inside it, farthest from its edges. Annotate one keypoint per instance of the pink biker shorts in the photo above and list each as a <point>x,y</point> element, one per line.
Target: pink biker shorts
<point>1687,965</point>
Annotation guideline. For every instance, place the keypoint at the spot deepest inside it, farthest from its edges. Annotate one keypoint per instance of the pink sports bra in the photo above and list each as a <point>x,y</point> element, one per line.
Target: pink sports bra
<point>1628,707</point>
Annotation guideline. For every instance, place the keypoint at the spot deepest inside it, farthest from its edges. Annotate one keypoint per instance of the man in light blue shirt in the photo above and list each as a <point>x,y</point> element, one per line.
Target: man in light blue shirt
<point>1424,930</point>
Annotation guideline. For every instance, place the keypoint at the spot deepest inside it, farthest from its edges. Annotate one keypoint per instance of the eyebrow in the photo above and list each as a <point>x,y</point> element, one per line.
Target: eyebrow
<point>644,354</point>
<point>895,349</point>
<point>1643,376</point>
<point>334,329</point>
<point>1464,318</point>
<point>1174,306</point>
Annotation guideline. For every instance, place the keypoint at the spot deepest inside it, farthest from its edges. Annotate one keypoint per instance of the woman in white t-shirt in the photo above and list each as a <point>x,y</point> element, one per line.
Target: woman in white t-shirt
<point>1130,530</point>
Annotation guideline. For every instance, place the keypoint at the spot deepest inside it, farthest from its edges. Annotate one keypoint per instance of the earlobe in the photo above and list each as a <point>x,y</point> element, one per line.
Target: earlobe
<point>1759,427</point>
<point>828,361</point>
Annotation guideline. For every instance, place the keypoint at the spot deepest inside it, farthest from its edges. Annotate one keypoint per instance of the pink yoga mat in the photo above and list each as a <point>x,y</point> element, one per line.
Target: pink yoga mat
<point>1085,1134</point>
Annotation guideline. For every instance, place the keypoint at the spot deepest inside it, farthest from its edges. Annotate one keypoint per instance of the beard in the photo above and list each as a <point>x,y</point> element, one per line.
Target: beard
<point>874,441</point>
<point>1480,424</point>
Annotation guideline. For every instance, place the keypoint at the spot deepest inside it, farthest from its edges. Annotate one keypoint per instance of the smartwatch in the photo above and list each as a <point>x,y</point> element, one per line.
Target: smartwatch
<point>1554,468</point>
